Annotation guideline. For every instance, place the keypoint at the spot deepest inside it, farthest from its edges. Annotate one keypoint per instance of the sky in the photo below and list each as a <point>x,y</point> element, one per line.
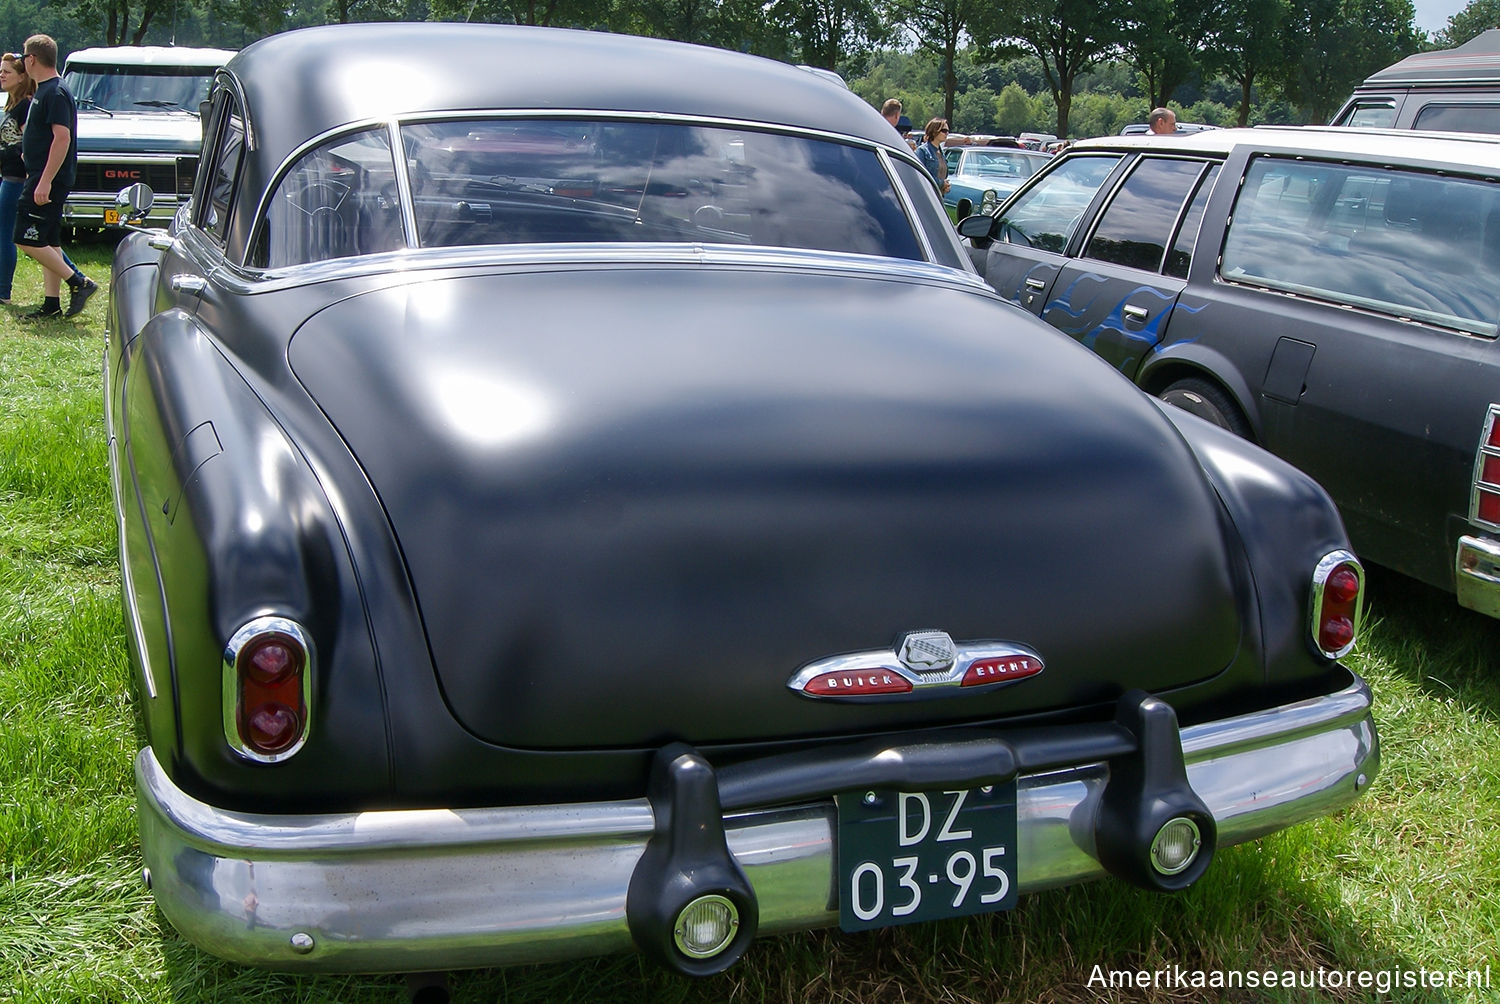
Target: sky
<point>1433,15</point>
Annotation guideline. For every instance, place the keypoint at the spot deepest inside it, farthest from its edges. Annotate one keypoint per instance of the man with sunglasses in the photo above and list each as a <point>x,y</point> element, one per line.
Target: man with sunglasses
<point>49,148</point>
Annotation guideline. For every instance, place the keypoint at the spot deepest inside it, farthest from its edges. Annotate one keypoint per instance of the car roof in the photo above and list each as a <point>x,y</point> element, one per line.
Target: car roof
<point>1457,149</point>
<point>341,74</point>
<point>1476,60</point>
<point>151,55</point>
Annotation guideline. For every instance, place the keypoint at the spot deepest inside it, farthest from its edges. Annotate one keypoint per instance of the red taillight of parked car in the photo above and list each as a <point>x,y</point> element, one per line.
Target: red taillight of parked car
<point>1337,603</point>
<point>267,667</point>
<point>1485,506</point>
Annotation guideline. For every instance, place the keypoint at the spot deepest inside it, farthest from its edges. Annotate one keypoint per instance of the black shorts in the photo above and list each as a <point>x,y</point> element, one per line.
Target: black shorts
<point>40,226</point>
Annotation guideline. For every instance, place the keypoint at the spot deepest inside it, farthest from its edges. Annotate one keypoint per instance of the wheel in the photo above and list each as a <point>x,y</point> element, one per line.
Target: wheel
<point>1209,402</point>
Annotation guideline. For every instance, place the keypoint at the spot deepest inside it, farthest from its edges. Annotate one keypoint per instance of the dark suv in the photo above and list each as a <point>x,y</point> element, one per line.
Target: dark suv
<point>1332,294</point>
<point>1447,90</point>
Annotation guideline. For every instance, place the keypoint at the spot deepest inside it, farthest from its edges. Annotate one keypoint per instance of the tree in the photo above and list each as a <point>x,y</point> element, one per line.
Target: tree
<point>1478,16</point>
<point>1162,41</point>
<point>1014,112</point>
<point>825,33</point>
<point>1335,44</point>
<point>937,25</point>
<point>1068,36</point>
<point>1248,45</point>
<point>534,12</point>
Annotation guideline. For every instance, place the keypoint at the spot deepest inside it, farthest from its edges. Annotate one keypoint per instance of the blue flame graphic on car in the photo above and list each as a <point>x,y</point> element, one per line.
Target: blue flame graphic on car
<point>1147,338</point>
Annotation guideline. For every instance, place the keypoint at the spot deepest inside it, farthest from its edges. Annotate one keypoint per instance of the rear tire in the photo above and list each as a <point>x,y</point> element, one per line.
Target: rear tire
<point>1209,402</point>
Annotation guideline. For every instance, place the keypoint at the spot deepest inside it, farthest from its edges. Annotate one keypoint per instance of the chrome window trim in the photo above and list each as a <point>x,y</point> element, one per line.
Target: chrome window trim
<point>231,688</point>
<point>530,256</point>
<point>394,123</point>
<point>1492,418</point>
<point>233,83</point>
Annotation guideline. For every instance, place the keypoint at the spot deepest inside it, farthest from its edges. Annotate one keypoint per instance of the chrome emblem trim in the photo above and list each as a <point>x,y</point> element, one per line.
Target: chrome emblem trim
<point>927,651</point>
<point>922,664</point>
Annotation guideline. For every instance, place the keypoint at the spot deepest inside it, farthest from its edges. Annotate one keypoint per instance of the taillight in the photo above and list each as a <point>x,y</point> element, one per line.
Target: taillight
<point>1484,504</point>
<point>267,679</point>
<point>1337,603</point>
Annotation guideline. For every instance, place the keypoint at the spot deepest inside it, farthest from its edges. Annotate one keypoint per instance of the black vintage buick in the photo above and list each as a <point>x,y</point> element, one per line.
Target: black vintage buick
<point>581,498</point>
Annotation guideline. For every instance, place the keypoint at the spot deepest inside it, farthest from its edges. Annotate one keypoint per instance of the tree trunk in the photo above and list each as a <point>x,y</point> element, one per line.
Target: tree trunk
<point>1246,82</point>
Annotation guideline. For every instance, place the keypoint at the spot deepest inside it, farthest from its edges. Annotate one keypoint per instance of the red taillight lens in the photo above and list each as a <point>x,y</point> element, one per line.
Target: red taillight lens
<point>1493,439</point>
<point>1488,507</point>
<point>1489,469</point>
<point>266,670</point>
<point>1338,583</point>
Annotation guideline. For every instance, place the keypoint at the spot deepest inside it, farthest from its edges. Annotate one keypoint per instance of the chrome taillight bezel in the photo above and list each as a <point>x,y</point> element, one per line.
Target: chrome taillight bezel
<point>1329,563</point>
<point>231,694</point>
<point>1478,485</point>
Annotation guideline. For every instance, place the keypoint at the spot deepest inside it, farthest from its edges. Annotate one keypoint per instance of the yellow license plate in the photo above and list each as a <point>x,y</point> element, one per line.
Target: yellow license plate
<point>111,216</point>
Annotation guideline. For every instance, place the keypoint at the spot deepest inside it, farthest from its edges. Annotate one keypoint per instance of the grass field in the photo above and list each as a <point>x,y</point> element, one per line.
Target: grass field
<point>1408,878</point>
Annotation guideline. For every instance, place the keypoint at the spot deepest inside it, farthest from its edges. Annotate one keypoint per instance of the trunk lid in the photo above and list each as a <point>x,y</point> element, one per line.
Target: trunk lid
<point>635,501</point>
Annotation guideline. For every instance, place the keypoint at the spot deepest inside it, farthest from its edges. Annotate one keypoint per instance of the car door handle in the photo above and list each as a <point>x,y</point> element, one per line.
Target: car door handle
<point>1036,284</point>
<point>1137,314</point>
<point>186,282</point>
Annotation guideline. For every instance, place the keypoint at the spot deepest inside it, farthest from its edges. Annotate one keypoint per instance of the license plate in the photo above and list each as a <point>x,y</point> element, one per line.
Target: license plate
<point>111,216</point>
<point>912,856</point>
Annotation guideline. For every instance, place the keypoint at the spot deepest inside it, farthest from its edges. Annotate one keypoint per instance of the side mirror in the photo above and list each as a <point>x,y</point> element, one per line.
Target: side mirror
<point>965,207</point>
<point>979,228</point>
<point>135,202</point>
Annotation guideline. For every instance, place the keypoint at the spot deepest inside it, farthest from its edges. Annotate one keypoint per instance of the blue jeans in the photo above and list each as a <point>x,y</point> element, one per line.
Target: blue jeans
<point>10,197</point>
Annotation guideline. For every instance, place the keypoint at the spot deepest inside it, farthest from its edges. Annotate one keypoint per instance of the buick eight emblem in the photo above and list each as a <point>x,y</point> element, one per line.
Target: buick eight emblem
<point>920,664</point>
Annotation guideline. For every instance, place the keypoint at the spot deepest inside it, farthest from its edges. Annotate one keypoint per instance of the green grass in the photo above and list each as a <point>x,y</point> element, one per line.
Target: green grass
<point>1409,877</point>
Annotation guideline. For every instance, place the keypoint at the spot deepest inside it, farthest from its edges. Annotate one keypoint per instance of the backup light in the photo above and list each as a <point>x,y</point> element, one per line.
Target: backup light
<point>1175,846</point>
<point>706,926</point>
<point>1337,603</point>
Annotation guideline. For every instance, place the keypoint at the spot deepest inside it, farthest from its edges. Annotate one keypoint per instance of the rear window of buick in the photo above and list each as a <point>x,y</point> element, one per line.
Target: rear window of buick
<point>509,181</point>
<point>1414,245</point>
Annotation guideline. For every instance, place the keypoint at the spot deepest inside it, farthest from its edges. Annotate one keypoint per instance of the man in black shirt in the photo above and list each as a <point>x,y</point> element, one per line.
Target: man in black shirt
<point>49,147</point>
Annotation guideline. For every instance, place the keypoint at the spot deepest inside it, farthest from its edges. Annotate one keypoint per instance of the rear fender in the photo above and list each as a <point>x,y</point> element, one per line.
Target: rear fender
<point>1287,524</point>
<point>238,527</point>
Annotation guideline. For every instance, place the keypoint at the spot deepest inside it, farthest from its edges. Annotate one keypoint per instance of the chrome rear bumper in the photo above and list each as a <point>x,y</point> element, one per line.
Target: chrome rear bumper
<point>407,891</point>
<point>1477,574</point>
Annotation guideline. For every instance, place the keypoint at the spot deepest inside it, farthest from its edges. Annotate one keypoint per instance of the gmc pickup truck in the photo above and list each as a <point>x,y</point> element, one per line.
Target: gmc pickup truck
<point>137,122</point>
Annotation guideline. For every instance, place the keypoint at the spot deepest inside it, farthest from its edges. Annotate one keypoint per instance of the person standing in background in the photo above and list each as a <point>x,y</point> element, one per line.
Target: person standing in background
<point>49,149</point>
<point>892,112</point>
<point>18,88</point>
<point>1162,122</point>
<point>930,152</point>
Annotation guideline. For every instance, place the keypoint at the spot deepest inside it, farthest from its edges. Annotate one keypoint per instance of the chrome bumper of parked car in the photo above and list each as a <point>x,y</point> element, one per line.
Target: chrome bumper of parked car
<point>1477,574</point>
<point>417,890</point>
<point>90,209</point>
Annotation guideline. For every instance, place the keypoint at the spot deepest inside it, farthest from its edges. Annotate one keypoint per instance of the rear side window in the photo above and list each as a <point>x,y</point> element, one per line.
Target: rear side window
<point>1136,226</point>
<point>340,199</point>
<point>1406,243</point>
<point>1048,213</point>
<point>940,232</point>
<point>1371,115</point>
<point>1459,118</point>
<point>1187,235</point>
